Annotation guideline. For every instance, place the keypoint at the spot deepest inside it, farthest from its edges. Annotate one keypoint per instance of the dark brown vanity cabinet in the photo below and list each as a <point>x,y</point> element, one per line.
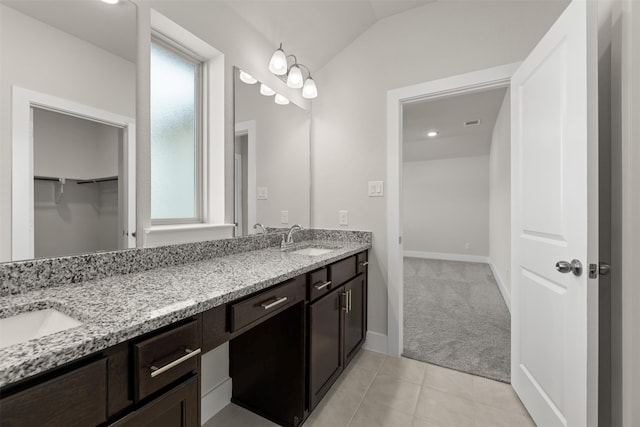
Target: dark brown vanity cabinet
<point>337,322</point>
<point>152,380</point>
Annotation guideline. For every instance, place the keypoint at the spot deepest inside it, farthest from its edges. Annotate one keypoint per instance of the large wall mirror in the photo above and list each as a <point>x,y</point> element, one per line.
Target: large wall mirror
<point>67,152</point>
<point>272,159</point>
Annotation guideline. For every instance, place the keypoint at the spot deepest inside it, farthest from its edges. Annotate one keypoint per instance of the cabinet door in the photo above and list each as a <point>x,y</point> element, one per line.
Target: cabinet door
<point>325,343</point>
<point>355,315</point>
<point>176,408</point>
<point>75,399</point>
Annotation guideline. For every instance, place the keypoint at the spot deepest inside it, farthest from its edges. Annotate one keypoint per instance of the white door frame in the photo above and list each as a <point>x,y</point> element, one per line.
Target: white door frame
<point>22,228</point>
<point>476,81</point>
<point>249,128</point>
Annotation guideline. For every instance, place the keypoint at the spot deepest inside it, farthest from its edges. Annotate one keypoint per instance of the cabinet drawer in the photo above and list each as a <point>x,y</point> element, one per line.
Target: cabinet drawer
<point>77,398</point>
<point>319,284</point>
<point>341,271</point>
<point>267,303</point>
<point>362,261</point>
<point>166,357</point>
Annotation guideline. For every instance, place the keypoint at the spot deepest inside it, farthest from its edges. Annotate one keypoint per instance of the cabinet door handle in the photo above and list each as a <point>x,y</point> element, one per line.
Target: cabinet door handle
<point>155,371</point>
<point>322,285</point>
<point>364,263</point>
<point>349,301</point>
<point>278,301</point>
<point>346,301</point>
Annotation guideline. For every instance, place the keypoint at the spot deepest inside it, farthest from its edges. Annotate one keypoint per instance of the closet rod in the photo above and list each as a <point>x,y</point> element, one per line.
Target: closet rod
<point>92,181</point>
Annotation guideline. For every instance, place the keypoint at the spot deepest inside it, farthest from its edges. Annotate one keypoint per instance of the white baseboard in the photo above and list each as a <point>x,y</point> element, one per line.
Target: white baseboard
<point>506,295</point>
<point>376,342</point>
<point>215,400</point>
<point>446,257</point>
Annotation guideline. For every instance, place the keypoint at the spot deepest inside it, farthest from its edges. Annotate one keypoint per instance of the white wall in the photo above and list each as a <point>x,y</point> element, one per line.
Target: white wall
<point>437,40</point>
<point>282,155</point>
<point>39,57</point>
<point>446,206</point>
<point>500,195</point>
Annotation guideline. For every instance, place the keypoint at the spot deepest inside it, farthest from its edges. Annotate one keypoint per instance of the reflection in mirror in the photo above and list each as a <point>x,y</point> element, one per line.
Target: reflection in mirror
<point>272,160</point>
<point>68,108</point>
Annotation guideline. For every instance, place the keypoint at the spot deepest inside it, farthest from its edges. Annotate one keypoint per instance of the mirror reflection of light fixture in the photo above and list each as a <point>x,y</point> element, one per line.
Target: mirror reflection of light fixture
<point>432,134</point>
<point>266,90</point>
<point>247,78</point>
<point>278,62</point>
<point>294,77</point>
<point>281,100</point>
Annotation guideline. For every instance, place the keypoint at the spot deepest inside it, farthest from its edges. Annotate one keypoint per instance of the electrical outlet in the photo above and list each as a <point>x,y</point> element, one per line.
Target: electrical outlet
<point>467,245</point>
<point>343,217</point>
<point>284,217</point>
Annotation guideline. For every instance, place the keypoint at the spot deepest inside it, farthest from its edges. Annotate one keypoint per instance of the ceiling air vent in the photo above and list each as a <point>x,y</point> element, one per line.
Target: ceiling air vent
<point>472,123</point>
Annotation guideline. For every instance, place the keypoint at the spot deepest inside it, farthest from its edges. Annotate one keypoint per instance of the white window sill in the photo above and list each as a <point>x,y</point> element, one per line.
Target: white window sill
<point>161,235</point>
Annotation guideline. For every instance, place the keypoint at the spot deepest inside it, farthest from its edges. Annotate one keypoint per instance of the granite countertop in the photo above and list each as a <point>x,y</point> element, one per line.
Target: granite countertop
<point>118,308</point>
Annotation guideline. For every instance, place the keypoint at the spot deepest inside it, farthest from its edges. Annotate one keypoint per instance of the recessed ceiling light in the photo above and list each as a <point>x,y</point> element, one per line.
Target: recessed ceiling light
<point>432,134</point>
<point>111,1</point>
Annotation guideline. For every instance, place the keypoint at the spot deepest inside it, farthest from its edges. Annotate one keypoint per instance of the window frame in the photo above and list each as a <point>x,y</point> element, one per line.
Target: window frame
<point>200,64</point>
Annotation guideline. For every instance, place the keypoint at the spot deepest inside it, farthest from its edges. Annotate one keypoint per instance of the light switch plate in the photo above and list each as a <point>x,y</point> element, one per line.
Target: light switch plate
<point>284,217</point>
<point>263,193</point>
<point>376,189</point>
<point>343,217</point>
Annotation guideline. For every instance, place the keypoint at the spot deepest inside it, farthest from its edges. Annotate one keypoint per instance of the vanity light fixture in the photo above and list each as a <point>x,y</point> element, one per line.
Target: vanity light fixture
<point>432,134</point>
<point>111,1</point>
<point>281,100</point>
<point>247,78</point>
<point>295,79</point>
<point>266,90</point>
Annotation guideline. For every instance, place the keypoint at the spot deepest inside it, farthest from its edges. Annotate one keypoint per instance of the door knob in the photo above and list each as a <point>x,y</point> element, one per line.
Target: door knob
<point>574,266</point>
<point>602,268</point>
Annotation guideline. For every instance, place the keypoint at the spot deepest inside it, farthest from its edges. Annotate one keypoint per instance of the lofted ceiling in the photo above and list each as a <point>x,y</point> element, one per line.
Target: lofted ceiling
<point>447,116</point>
<point>316,30</point>
<point>313,30</point>
<point>110,27</point>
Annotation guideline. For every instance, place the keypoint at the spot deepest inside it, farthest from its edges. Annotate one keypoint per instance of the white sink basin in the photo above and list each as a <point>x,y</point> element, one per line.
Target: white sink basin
<point>33,324</point>
<point>312,251</point>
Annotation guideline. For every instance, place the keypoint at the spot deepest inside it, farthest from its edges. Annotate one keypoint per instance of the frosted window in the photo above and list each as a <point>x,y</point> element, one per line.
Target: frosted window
<point>174,135</point>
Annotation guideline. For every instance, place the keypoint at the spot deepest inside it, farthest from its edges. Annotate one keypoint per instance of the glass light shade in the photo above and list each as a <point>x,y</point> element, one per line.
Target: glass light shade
<point>294,79</point>
<point>247,78</point>
<point>281,100</point>
<point>278,63</point>
<point>111,1</point>
<point>266,90</point>
<point>309,90</point>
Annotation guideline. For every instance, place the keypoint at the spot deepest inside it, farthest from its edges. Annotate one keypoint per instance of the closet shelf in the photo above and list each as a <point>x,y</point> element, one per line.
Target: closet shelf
<point>79,181</point>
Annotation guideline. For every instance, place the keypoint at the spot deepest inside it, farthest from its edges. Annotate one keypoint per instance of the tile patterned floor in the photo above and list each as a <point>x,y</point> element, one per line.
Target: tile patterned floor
<point>378,390</point>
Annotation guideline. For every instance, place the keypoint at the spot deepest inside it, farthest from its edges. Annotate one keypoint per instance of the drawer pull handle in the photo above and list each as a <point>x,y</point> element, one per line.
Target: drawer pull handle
<point>364,263</point>
<point>322,285</point>
<point>278,301</point>
<point>155,371</point>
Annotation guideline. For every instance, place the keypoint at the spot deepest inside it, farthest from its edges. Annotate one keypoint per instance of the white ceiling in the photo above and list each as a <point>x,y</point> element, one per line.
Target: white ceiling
<point>110,27</point>
<point>313,30</point>
<point>316,30</point>
<point>447,116</point>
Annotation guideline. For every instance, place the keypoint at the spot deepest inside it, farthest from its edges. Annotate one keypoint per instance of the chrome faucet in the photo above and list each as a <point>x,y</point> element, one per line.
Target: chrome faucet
<point>284,244</point>
<point>256,225</point>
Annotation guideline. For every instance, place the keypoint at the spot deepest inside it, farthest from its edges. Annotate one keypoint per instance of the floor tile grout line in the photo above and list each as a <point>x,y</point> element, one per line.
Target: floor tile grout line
<point>366,391</point>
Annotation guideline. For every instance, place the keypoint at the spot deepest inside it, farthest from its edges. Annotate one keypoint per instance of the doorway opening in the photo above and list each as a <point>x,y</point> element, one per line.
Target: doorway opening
<point>456,210</point>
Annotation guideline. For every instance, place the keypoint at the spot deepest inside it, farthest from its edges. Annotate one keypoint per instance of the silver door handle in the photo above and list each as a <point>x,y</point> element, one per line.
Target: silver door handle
<point>278,301</point>
<point>349,300</point>
<point>155,371</point>
<point>346,301</point>
<point>574,266</point>
<point>322,285</point>
<point>604,268</point>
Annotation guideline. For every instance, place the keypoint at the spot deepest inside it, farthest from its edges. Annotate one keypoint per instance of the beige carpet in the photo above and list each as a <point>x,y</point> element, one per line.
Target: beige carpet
<point>454,316</point>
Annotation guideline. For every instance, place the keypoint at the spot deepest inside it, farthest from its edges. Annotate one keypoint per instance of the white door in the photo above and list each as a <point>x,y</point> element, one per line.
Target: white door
<point>554,218</point>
